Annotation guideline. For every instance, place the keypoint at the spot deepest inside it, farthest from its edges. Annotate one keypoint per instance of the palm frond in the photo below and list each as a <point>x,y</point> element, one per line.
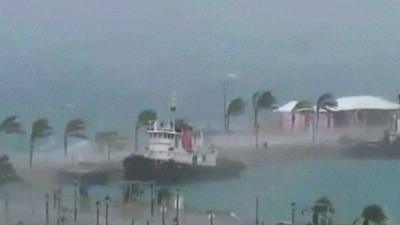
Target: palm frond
<point>264,100</point>
<point>326,101</point>
<point>41,128</point>
<point>75,125</point>
<point>11,125</point>
<point>146,116</point>
<point>236,107</point>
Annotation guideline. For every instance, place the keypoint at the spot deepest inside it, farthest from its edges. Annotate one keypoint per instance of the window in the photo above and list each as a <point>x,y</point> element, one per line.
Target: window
<point>204,158</point>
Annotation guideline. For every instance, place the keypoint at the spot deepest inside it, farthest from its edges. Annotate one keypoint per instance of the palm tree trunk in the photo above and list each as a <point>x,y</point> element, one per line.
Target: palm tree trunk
<point>136,135</point>
<point>293,121</point>
<point>227,122</point>
<point>256,125</point>
<point>65,145</point>
<point>313,128</point>
<point>317,122</point>
<point>328,116</point>
<point>31,153</point>
<point>108,151</point>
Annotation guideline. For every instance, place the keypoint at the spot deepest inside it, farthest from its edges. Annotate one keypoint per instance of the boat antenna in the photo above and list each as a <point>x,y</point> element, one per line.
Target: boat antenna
<point>173,110</point>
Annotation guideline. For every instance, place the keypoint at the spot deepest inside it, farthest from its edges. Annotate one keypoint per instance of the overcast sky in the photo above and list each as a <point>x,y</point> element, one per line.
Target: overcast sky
<point>114,58</point>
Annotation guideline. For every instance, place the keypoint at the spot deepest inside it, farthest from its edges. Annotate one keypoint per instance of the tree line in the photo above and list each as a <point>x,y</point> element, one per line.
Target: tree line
<point>265,100</point>
<point>262,100</point>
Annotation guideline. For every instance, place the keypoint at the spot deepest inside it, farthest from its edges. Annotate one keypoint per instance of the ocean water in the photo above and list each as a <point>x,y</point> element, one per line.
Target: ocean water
<point>349,184</point>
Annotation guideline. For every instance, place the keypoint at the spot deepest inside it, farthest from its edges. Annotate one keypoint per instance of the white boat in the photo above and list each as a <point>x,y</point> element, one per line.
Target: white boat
<point>175,152</point>
<point>178,144</point>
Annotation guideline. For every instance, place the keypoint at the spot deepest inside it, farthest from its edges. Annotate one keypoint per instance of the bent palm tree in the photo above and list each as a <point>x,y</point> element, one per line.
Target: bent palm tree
<point>235,108</point>
<point>375,214</point>
<point>40,129</point>
<point>143,119</point>
<point>107,137</point>
<point>10,125</point>
<point>261,100</point>
<point>73,129</point>
<point>325,101</point>
<point>302,107</point>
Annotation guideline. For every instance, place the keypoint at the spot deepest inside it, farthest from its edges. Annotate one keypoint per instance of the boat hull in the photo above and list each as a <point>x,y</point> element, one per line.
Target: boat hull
<point>138,167</point>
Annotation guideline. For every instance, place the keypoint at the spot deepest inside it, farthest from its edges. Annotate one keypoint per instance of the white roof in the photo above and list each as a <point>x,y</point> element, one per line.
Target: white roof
<point>365,102</point>
<point>352,103</point>
<point>288,107</point>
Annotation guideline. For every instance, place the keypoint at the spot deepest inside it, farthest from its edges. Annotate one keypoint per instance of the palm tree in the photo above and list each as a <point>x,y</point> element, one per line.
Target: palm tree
<point>143,119</point>
<point>261,100</point>
<point>11,125</point>
<point>321,207</point>
<point>325,101</point>
<point>40,129</point>
<point>235,108</point>
<point>7,171</point>
<point>303,107</point>
<point>163,195</point>
<point>375,214</point>
<point>73,129</point>
<point>107,137</point>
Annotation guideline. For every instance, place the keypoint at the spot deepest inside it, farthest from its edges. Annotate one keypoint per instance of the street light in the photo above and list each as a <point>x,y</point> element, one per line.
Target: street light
<point>76,183</point>
<point>152,199</point>
<point>177,207</point>
<point>107,201</point>
<point>257,211</point>
<point>47,208</point>
<point>97,212</point>
<point>211,216</point>
<point>293,213</point>
<point>163,211</point>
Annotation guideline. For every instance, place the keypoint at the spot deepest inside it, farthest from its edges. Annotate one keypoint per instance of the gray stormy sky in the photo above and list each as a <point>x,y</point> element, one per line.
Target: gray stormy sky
<point>114,58</point>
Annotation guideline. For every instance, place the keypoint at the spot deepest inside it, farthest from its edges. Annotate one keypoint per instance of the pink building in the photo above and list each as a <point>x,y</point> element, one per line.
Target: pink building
<point>354,111</point>
<point>299,122</point>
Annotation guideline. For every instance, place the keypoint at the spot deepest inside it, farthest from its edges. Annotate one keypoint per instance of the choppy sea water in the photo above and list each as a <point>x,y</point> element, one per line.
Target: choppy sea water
<point>350,184</point>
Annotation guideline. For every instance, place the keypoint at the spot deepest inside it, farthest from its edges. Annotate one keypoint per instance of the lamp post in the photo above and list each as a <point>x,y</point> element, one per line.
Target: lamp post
<point>163,211</point>
<point>97,212</point>
<point>59,205</point>
<point>257,208</point>
<point>152,199</point>
<point>177,207</point>
<point>211,216</point>
<point>293,213</point>
<point>47,208</point>
<point>107,202</point>
<point>76,183</point>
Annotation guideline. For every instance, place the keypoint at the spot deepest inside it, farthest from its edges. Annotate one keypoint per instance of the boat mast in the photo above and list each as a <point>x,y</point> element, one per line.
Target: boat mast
<point>173,110</point>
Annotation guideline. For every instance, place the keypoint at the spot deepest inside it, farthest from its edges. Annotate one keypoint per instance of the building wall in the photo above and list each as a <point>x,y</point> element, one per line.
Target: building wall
<point>303,124</point>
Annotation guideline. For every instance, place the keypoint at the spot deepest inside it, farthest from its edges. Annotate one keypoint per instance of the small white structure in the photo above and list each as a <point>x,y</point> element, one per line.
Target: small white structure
<point>178,144</point>
<point>365,102</point>
<point>290,121</point>
<point>181,146</point>
<point>351,111</point>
